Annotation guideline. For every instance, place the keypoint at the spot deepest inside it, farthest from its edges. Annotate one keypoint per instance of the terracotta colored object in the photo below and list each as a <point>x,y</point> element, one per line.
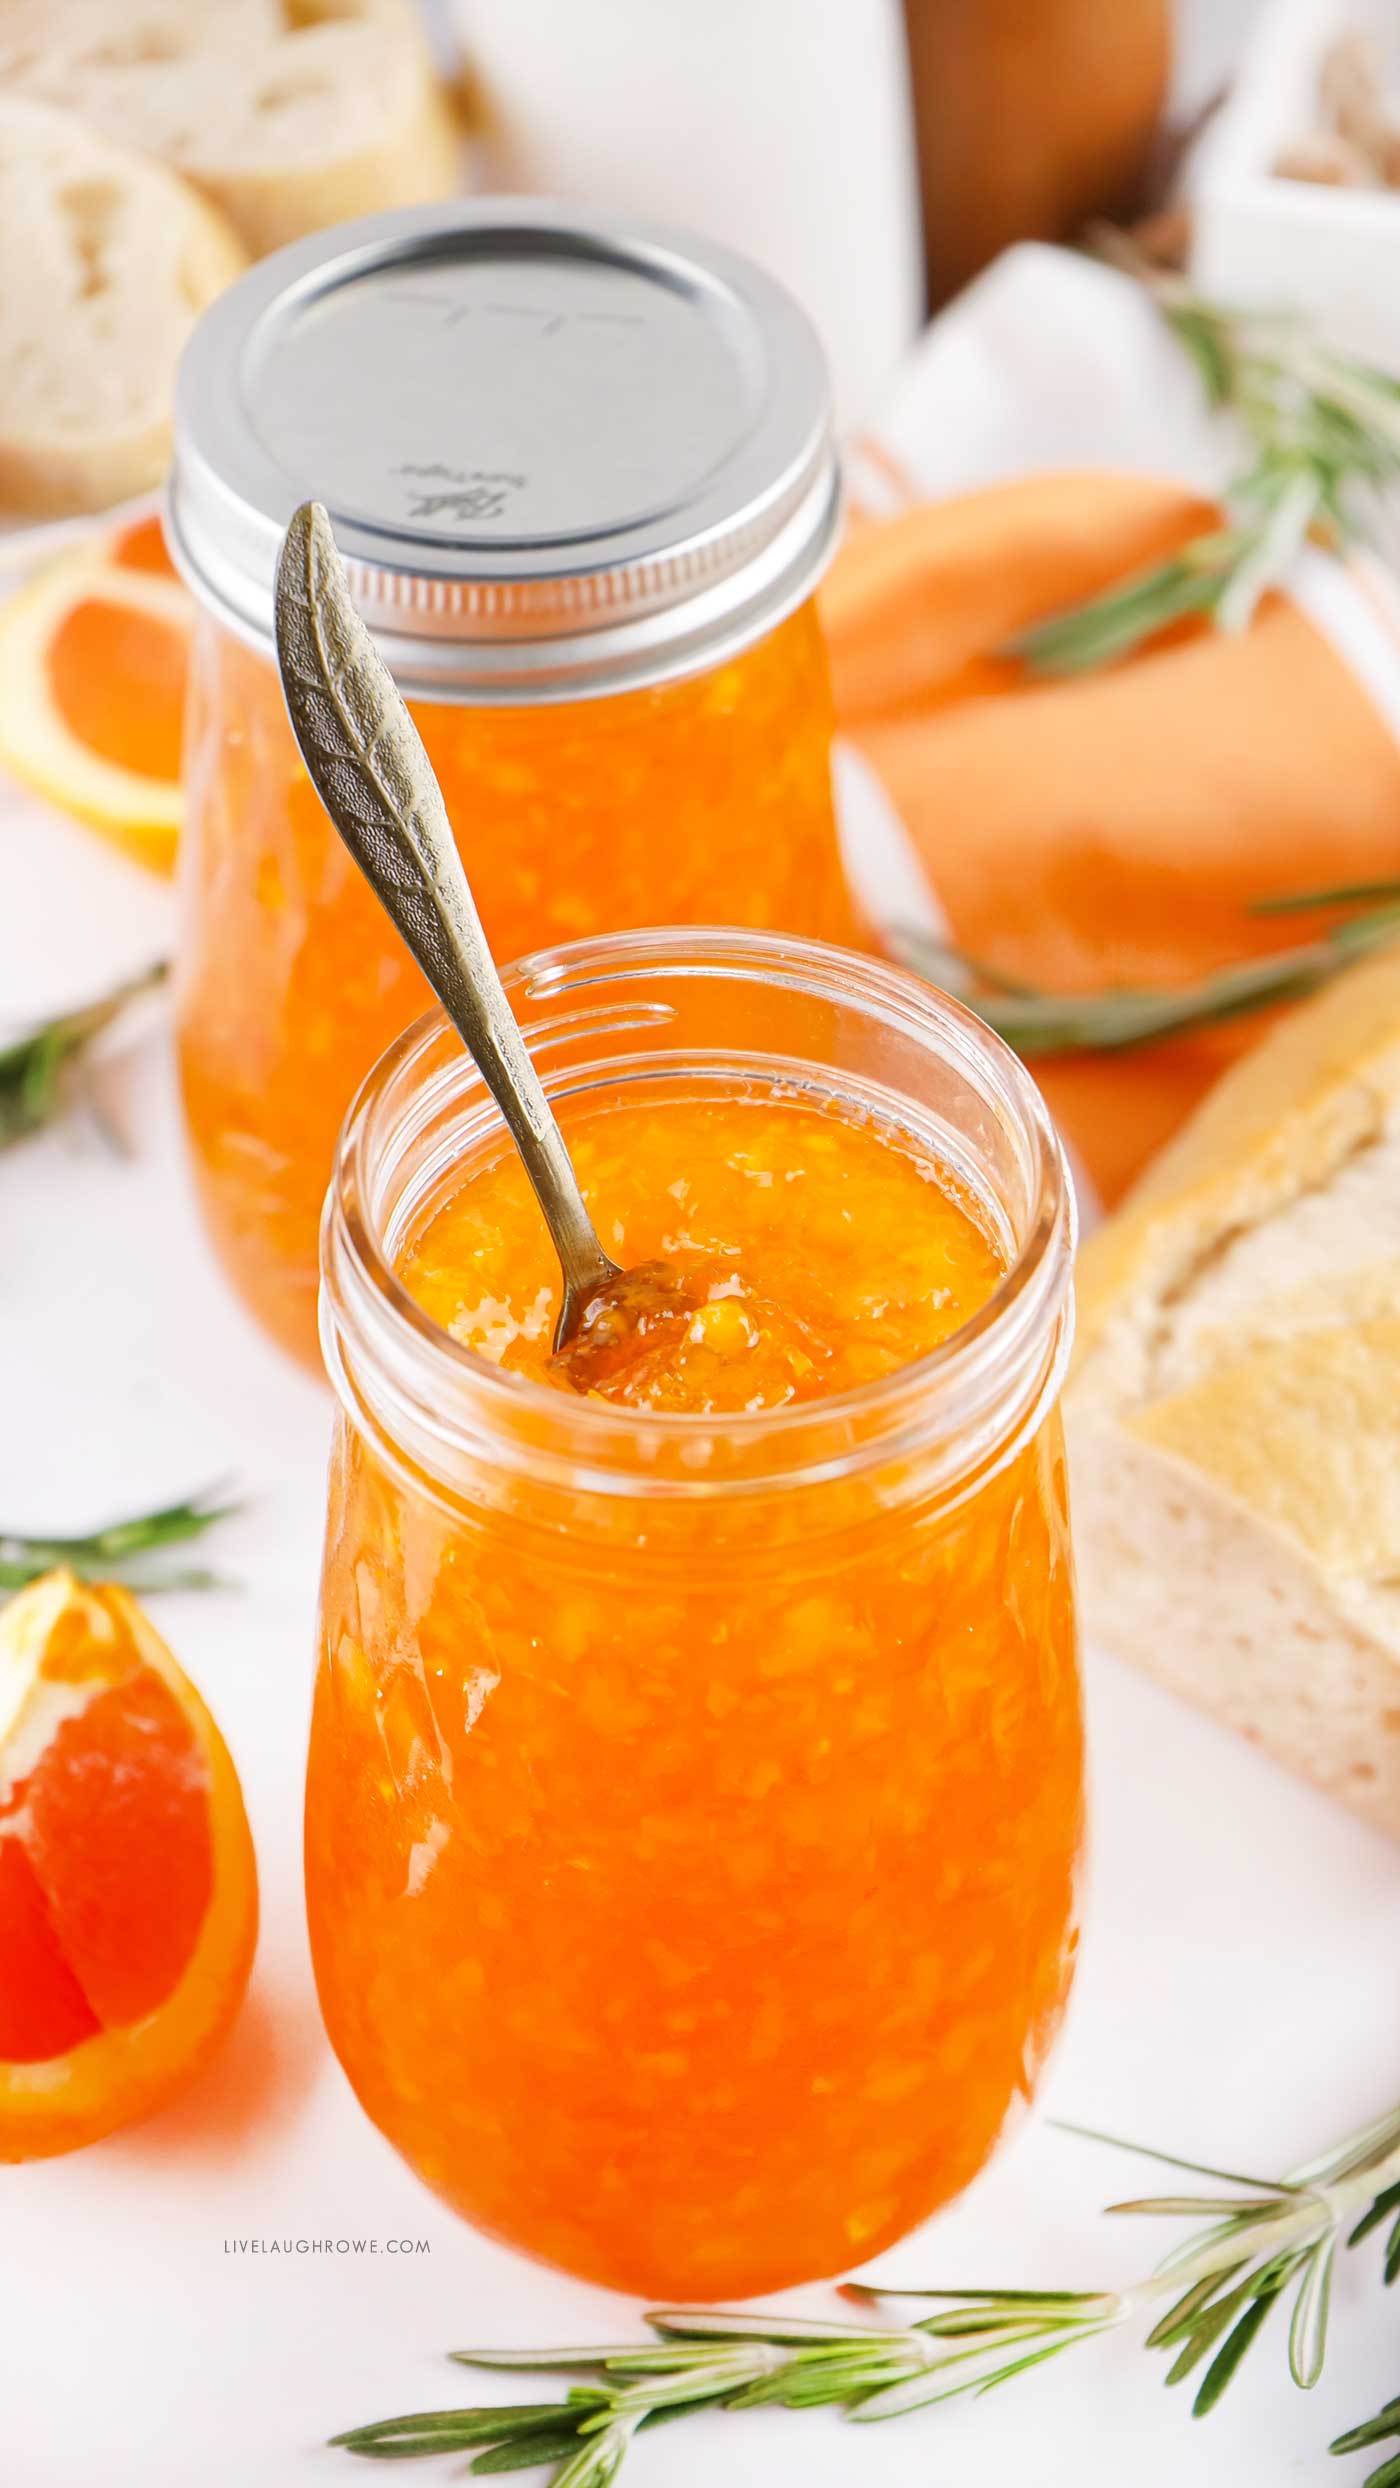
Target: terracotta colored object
<point>1115,827</point>
<point>1032,115</point>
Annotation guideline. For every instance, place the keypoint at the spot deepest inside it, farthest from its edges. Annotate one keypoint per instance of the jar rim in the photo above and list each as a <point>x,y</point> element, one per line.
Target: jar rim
<point>1024,1326</point>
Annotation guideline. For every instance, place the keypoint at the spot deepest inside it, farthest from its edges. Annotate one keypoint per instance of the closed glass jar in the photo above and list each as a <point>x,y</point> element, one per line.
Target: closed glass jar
<point>694,1804</point>
<point>595,583</point>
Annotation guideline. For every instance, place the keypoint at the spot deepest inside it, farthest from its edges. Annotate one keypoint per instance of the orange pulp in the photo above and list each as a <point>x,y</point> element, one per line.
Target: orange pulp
<point>119,676</point>
<point>706,800</point>
<point>691,1894</point>
<point>128,1896</point>
<point>93,656</point>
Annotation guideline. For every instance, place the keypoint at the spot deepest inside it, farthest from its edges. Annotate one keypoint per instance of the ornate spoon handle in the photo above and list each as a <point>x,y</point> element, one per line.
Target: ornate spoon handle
<point>367,763</point>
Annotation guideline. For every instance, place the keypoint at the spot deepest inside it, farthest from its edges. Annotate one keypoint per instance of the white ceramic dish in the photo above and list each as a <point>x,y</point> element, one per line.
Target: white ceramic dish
<point>1331,253</point>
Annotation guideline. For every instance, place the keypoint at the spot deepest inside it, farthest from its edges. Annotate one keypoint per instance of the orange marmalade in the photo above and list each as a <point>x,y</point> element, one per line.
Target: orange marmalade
<point>701,801</point>
<point>583,477</point>
<point>694,1799</point>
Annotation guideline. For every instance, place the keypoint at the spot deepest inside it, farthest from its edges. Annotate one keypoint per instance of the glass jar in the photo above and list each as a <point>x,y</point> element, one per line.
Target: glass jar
<point>584,481</point>
<point>694,1804</point>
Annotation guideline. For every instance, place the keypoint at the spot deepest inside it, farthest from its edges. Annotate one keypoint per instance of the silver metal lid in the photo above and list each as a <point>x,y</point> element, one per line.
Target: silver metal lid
<point>561,456</point>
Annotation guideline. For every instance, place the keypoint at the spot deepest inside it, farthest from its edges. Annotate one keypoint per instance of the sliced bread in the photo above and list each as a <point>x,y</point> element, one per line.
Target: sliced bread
<point>287,114</point>
<point>108,261</point>
<point>1234,1411</point>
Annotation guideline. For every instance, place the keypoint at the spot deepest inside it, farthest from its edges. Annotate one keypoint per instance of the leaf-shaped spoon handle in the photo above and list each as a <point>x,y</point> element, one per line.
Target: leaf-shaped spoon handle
<point>367,763</point>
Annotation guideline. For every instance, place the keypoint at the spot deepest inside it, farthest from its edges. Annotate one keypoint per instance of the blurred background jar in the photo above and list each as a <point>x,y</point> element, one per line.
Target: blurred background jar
<point>779,127</point>
<point>584,481</point>
<point>1032,116</point>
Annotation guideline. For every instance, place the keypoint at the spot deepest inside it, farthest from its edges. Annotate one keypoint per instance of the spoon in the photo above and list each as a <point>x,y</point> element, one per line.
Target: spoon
<point>366,760</point>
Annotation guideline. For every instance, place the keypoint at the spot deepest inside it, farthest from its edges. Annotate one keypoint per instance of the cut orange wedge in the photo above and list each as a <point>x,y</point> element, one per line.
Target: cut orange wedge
<point>128,1892</point>
<point>93,655</point>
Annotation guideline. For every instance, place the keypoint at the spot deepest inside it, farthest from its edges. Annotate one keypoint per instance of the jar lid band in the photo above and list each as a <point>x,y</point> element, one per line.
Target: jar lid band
<point>562,456</point>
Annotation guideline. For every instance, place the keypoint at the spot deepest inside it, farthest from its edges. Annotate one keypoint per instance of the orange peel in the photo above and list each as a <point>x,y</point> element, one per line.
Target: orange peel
<point>93,657</point>
<point>128,1889</point>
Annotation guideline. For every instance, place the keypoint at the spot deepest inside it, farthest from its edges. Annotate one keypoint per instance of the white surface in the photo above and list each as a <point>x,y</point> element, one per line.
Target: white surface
<point>1209,37</point>
<point>1238,1996</point>
<point>779,127</point>
<point>1329,253</point>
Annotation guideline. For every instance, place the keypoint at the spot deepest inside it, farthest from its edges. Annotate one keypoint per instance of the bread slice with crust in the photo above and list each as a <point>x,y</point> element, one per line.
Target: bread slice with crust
<point>1234,1409</point>
<point>286,114</point>
<point>108,261</point>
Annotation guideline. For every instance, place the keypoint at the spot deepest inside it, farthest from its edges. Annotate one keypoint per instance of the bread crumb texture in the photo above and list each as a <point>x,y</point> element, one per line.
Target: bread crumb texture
<point>287,114</point>
<point>1234,1413</point>
<point>108,261</point>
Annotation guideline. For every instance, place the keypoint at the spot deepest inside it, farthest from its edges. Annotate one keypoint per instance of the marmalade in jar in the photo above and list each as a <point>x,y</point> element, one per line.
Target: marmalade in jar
<point>701,801</point>
<point>584,481</point>
<point>691,1886</point>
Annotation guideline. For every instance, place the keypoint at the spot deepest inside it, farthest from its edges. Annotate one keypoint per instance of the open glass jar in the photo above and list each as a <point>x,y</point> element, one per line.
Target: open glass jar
<point>584,482</point>
<point>694,1803</point>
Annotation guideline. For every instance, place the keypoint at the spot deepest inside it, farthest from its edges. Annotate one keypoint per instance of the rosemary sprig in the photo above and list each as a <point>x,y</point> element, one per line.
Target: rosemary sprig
<point>36,1071</point>
<point>1377,2431</point>
<point>1323,432</point>
<point>1264,2238</point>
<point>1119,1016</point>
<point>114,1553</point>
<point>1386,2423</point>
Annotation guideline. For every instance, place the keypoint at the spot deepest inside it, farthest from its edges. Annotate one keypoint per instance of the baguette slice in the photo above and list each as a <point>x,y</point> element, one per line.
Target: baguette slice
<point>1234,1410</point>
<point>286,114</point>
<point>107,262</point>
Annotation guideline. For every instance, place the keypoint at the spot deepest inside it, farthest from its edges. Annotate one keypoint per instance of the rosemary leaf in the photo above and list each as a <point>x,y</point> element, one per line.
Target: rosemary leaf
<point>1307,2338</point>
<point>1173,2159</point>
<point>1057,2301</point>
<point>1108,627</point>
<point>1367,2149</point>
<point>1202,2334</point>
<point>1242,2228</point>
<point>456,2431</point>
<point>1385,2424</point>
<point>700,2323</point>
<point>36,1071</point>
<point>1118,1017</point>
<point>1383,2205</point>
<point>1181,2317</point>
<point>114,1553</point>
<point>1187,2206</point>
<point>1226,2361</point>
<point>1321,430</point>
<point>526,2453</point>
<point>1343,894</point>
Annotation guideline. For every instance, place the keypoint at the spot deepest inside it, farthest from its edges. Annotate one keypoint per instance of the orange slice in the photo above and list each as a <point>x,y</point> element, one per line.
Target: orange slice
<point>128,1893</point>
<point>93,656</point>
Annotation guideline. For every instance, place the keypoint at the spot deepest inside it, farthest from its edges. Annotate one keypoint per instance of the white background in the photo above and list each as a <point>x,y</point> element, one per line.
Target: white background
<point>1239,1995</point>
